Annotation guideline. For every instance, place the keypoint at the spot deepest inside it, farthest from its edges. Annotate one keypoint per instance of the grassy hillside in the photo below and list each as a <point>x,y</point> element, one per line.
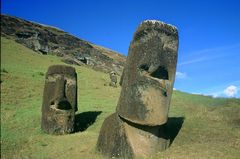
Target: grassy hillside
<point>200,127</point>
<point>52,41</point>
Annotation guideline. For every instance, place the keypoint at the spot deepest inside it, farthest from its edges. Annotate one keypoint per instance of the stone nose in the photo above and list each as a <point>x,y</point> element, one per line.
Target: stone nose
<point>60,88</point>
<point>158,75</point>
<point>61,101</point>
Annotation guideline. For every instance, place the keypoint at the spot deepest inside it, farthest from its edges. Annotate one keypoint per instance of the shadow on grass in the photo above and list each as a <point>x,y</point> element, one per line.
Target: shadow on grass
<point>173,127</point>
<point>85,119</point>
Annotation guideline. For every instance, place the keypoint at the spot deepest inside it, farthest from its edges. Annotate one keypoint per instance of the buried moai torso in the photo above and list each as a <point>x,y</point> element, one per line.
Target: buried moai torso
<point>149,74</point>
<point>59,100</point>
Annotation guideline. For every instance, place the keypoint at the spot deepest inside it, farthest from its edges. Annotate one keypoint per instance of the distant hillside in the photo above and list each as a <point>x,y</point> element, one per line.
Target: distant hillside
<point>50,40</point>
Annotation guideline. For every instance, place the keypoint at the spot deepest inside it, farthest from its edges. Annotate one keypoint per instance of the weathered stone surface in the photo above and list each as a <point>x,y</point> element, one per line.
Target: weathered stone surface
<point>59,100</point>
<point>121,138</point>
<point>112,140</point>
<point>149,74</point>
<point>113,78</point>
<point>137,129</point>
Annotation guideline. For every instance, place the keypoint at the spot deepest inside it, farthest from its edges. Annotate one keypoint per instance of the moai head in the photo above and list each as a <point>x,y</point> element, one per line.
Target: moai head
<point>113,78</point>
<point>59,100</point>
<point>149,74</point>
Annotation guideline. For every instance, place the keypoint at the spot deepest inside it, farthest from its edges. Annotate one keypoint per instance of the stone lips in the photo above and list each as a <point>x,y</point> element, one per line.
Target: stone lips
<point>59,100</point>
<point>149,74</point>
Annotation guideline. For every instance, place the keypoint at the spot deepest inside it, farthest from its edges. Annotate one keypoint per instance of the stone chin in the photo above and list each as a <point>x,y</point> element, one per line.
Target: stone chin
<point>157,103</point>
<point>149,104</point>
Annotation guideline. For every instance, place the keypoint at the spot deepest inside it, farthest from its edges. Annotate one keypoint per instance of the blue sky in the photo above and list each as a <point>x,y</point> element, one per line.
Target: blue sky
<point>209,33</point>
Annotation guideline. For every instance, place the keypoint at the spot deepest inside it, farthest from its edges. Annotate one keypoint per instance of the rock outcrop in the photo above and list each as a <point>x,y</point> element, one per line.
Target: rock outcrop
<point>137,129</point>
<point>49,40</point>
<point>59,100</point>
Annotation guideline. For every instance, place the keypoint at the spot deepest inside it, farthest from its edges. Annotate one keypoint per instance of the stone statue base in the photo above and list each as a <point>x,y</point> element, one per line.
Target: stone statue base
<point>121,138</point>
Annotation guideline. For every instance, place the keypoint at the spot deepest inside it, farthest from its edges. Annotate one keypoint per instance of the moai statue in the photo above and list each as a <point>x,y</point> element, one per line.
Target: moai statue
<point>59,100</point>
<point>137,129</point>
<point>113,78</point>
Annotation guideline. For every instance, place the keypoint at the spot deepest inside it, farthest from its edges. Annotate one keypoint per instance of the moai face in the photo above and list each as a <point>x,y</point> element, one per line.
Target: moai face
<point>149,74</point>
<point>113,78</point>
<point>59,100</point>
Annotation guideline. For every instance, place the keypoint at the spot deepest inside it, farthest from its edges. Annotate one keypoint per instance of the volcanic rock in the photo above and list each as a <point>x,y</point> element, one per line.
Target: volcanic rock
<point>59,100</point>
<point>149,74</point>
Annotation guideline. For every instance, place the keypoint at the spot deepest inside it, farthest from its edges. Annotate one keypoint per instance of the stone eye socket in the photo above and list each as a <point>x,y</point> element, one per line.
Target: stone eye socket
<point>64,105</point>
<point>144,67</point>
<point>160,73</point>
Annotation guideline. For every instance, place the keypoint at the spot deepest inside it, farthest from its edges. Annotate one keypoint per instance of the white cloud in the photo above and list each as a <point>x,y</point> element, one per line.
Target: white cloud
<point>231,91</point>
<point>181,75</point>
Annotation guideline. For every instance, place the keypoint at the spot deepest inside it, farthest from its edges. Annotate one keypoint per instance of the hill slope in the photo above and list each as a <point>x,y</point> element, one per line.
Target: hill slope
<point>199,127</point>
<point>49,40</point>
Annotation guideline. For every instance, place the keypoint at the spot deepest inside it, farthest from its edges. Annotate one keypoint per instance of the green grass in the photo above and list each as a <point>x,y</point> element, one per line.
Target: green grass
<point>211,127</point>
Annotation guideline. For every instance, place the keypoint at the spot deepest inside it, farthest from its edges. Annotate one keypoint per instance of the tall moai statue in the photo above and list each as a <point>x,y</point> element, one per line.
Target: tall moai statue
<point>137,129</point>
<point>59,100</point>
